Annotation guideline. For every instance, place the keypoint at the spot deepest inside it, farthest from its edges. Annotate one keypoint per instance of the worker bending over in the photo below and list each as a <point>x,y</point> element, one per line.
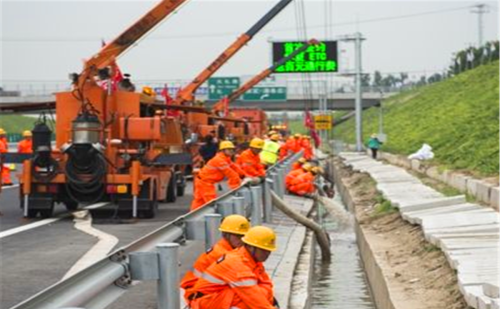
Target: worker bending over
<point>233,228</point>
<point>304,184</point>
<point>249,160</point>
<point>219,167</point>
<point>26,145</point>
<point>238,278</point>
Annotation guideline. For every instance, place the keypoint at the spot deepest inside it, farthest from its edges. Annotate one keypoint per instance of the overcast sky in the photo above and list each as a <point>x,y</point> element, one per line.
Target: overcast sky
<point>46,40</point>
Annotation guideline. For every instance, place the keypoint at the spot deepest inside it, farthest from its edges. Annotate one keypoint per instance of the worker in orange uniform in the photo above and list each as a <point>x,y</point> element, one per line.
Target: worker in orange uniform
<point>306,145</point>
<point>249,160</point>
<point>291,176</point>
<point>26,145</point>
<point>298,165</point>
<point>233,228</point>
<point>304,184</point>
<point>4,148</point>
<point>238,278</point>
<point>218,168</point>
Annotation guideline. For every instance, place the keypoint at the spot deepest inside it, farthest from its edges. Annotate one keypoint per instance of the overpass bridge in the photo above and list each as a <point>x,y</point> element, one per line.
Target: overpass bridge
<point>294,102</point>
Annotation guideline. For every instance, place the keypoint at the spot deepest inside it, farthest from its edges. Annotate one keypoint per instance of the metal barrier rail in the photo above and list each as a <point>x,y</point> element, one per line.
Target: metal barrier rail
<point>102,283</point>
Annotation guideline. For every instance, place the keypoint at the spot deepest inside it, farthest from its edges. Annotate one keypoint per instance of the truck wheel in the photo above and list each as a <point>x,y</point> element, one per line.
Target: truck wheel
<point>172,186</point>
<point>48,212</point>
<point>153,208</point>
<point>71,205</point>
<point>181,185</point>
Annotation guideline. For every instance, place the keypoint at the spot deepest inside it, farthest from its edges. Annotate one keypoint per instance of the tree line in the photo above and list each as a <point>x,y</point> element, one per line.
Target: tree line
<point>461,61</point>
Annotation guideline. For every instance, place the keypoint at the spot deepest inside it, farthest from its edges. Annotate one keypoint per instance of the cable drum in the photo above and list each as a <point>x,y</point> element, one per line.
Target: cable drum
<point>85,171</point>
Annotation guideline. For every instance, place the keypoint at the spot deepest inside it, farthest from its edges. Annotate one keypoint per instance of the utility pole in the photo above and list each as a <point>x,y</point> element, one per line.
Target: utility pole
<point>480,9</point>
<point>358,106</point>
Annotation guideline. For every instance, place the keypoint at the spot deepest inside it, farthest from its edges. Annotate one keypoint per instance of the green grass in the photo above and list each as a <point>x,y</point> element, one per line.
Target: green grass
<point>457,117</point>
<point>16,123</point>
<point>383,206</point>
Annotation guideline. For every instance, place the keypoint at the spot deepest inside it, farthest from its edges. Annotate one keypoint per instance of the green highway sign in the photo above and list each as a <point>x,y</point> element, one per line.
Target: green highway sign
<point>265,94</point>
<point>219,87</point>
<point>317,58</point>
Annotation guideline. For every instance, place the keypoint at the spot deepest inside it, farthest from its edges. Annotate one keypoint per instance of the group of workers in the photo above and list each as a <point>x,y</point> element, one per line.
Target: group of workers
<point>302,179</point>
<point>231,274</point>
<point>251,163</point>
<point>24,146</point>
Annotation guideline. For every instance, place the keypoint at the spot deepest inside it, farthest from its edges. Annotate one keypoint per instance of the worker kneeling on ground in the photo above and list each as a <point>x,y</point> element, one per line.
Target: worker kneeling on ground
<point>238,278</point>
<point>291,176</point>
<point>249,160</point>
<point>26,145</point>
<point>304,184</point>
<point>218,168</point>
<point>233,228</point>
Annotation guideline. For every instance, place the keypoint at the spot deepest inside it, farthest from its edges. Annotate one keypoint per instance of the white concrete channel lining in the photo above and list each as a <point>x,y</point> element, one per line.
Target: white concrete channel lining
<point>467,233</point>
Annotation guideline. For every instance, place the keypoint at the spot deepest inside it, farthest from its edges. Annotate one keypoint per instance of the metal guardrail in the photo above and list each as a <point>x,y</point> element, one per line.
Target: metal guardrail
<point>100,284</point>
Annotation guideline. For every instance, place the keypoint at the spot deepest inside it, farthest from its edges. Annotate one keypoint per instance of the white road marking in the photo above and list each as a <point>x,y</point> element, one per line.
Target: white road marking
<point>83,222</point>
<point>43,222</point>
<point>10,187</point>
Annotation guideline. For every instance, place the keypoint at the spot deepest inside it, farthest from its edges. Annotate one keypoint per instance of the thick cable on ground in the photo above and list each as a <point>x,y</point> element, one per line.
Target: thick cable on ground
<point>321,235</point>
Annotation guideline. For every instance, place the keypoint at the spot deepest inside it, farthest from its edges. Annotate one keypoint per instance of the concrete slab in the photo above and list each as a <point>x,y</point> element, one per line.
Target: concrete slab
<point>491,290</point>
<point>495,198</point>
<point>483,191</point>
<point>439,202</point>
<point>484,228</point>
<point>459,220</point>
<point>458,181</point>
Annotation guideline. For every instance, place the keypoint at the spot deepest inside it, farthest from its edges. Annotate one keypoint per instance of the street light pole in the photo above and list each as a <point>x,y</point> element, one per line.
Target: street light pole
<point>358,104</point>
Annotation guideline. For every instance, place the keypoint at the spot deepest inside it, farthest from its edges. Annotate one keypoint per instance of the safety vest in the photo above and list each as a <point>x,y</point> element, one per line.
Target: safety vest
<point>269,153</point>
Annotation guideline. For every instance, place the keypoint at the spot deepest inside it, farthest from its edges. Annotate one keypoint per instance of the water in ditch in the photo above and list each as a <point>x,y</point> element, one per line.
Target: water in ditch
<point>341,284</point>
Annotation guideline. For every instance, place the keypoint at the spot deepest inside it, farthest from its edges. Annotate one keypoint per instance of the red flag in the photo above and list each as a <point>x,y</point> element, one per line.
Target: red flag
<point>309,123</point>
<point>116,74</point>
<point>168,101</point>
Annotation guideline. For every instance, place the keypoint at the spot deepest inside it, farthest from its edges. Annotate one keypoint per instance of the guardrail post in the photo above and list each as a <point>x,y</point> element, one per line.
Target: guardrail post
<point>281,182</point>
<point>168,284</point>
<point>225,208</point>
<point>268,206</point>
<point>256,205</point>
<point>239,205</point>
<point>212,234</point>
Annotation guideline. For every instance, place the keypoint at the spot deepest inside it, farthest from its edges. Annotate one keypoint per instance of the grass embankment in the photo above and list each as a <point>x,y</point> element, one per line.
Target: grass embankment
<point>16,123</point>
<point>458,118</point>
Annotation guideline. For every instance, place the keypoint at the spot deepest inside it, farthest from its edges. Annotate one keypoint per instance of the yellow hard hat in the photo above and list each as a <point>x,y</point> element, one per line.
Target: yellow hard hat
<point>275,137</point>
<point>27,133</point>
<point>307,167</point>
<point>148,90</point>
<point>261,237</point>
<point>226,145</point>
<point>257,143</point>
<point>297,135</point>
<point>2,131</point>
<point>235,224</point>
<point>317,170</point>
<point>302,160</point>
<point>272,132</point>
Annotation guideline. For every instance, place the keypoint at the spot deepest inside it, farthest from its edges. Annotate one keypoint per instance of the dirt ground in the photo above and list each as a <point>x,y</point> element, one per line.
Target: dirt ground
<point>417,272</point>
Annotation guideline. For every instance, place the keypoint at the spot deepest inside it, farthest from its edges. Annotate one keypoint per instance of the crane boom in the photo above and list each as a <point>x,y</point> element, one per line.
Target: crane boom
<point>113,49</point>
<point>186,94</point>
<point>259,77</point>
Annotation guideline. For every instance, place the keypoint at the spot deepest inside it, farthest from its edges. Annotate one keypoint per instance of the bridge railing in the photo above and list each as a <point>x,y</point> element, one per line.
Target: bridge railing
<point>103,282</point>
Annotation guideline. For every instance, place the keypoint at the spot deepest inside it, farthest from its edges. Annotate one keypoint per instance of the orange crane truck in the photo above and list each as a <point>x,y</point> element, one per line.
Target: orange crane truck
<point>256,119</point>
<point>109,147</point>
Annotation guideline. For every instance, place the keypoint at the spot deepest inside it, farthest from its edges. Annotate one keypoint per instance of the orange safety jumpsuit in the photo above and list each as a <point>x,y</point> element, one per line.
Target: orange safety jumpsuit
<point>250,164</point>
<point>4,148</point>
<point>297,165</point>
<point>25,146</point>
<point>303,184</point>
<point>307,147</point>
<point>202,263</point>
<point>216,169</point>
<point>290,177</point>
<point>235,280</point>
